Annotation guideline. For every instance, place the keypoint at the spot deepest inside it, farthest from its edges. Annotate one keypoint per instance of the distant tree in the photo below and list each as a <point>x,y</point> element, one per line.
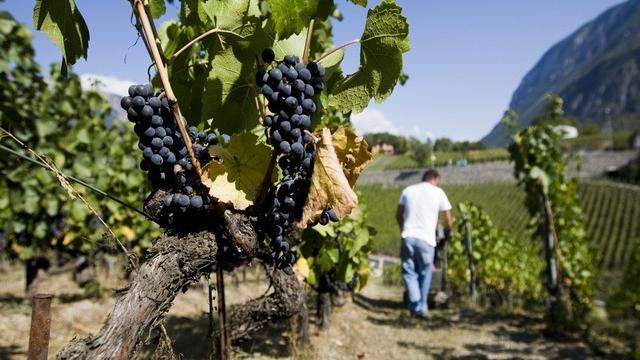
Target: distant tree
<point>421,153</point>
<point>443,144</point>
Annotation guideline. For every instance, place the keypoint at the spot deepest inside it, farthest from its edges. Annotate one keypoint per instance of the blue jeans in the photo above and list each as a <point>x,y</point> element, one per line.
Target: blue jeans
<point>417,266</point>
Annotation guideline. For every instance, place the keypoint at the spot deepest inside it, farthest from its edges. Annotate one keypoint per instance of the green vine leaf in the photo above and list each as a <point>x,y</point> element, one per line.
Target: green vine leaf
<point>65,26</point>
<point>360,2</point>
<point>291,19</point>
<point>385,39</point>
<point>157,8</point>
<point>230,94</point>
<point>227,15</point>
<point>236,177</point>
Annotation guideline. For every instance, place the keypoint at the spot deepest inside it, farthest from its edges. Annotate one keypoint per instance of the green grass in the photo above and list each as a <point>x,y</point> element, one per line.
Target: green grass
<point>612,213</point>
<point>404,161</point>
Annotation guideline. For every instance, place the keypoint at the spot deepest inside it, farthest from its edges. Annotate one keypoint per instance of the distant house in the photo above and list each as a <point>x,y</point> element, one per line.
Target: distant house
<point>384,148</point>
<point>567,131</point>
<point>634,140</point>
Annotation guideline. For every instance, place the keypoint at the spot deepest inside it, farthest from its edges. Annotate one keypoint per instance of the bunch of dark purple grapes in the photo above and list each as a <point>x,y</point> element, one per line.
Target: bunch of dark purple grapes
<point>164,152</point>
<point>289,87</point>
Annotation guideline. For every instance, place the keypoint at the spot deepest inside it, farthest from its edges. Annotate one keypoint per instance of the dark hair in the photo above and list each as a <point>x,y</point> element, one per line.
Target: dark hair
<point>430,174</point>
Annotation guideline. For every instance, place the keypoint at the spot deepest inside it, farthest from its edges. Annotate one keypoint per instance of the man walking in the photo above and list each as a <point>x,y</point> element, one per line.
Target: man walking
<point>417,215</point>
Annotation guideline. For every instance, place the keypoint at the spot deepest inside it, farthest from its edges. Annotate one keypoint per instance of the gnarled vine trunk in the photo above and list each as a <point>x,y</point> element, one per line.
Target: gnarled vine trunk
<point>174,262</point>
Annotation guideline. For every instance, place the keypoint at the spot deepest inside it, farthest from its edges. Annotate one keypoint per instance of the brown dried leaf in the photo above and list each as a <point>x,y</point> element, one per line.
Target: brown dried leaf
<point>353,153</point>
<point>332,180</point>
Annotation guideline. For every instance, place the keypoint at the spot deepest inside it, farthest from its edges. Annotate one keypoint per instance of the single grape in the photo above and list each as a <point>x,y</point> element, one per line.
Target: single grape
<point>308,90</point>
<point>150,132</point>
<point>308,105</point>
<point>193,131</point>
<point>284,147</point>
<point>291,59</point>
<point>154,102</point>
<point>138,102</point>
<point>156,120</point>
<point>304,74</point>
<point>164,152</point>
<point>212,139</point>
<point>168,200</point>
<point>183,200</point>
<point>284,89</point>
<point>299,66</point>
<point>289,202</point>
<point>132,90</point>
<point>285,126</point>
<point>332,215</point>
<point>307,138</point>
<point>299,85</point>
<point>167,141</point>
<point>324,218</point>
<point>267,90</point>
<point>275,136</point>
<point>305,121</point>
<point>267,121</point>
<point>171,158</point>
<point>275,74</point>
<point>126,102</point>
<point>183,162</point>
<point>297,149</point>
<point>156,160</point>
<point>161,132</point>
<point>157,142</point>
<point>283,68</point>
<point>147,111</point>
<point>196,202</point>
<point>306,163</point>
<point>292,102</point>
<point>292,74</point>
<point>132,114</point>
<point>295,120</point>
<point>147,153</point>
<point>268,55</point>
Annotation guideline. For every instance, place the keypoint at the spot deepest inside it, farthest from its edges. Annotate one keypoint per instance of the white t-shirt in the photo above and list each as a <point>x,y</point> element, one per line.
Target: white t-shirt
<point>422,204</point>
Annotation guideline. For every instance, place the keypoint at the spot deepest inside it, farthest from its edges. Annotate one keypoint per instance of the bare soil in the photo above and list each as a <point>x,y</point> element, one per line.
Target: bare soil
<point>372,326</point>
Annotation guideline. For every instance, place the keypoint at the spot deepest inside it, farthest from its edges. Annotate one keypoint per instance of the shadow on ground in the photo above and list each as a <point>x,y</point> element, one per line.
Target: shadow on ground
<point>190,337</point>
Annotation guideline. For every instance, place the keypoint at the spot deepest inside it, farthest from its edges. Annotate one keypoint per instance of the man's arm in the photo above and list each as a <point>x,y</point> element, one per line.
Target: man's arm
<point>447,222</point>
<point>400,215</point>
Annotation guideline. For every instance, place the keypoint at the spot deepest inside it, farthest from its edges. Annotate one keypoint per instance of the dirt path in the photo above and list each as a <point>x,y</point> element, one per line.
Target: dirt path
<point>374,326</point>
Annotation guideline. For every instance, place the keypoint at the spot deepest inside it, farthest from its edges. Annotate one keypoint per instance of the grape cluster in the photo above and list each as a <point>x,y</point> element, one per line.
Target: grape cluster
<point>160,141</point>
<point>164,151</point>
<point>289,87</point>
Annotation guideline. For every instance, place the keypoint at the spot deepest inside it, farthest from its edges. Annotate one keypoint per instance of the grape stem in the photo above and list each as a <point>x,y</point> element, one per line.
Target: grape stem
<point>326,54</point>
<point>307,43</point>
<point>152,41</point>
<point>200,37</point>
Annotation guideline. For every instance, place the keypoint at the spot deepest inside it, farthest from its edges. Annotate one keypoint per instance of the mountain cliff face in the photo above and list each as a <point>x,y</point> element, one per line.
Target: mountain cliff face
<point>596,70</point>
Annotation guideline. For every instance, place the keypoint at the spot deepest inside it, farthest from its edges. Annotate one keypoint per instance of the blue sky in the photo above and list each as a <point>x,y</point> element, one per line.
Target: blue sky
<point>466,58</point>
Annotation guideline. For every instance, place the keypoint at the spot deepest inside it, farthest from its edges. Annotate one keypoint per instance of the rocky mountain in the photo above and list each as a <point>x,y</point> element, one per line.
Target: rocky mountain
<point>596,70</point>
